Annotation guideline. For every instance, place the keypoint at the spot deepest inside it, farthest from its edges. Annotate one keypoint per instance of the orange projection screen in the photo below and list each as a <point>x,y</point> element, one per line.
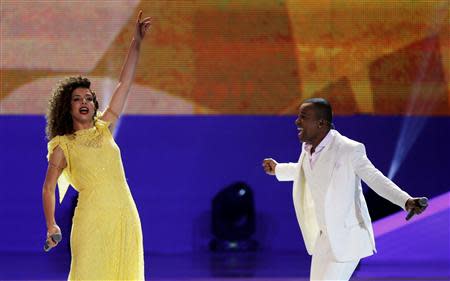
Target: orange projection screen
<point>234,57</point>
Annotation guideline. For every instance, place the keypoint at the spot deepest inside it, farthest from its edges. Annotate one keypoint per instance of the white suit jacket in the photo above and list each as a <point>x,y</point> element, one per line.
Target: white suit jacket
<point>341,166</point>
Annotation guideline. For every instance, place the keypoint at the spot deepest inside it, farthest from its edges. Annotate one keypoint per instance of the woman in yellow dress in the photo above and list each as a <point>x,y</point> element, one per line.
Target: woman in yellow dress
<point>106,239</point>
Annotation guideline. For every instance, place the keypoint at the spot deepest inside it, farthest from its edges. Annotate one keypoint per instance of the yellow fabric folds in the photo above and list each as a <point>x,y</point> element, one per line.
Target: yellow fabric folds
<point>106,238</point>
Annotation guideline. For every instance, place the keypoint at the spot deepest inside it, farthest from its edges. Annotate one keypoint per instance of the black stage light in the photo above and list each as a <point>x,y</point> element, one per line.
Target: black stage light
<point>233,219</point>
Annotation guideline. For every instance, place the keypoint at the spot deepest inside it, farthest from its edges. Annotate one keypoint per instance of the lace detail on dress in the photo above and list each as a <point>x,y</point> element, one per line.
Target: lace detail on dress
<point>88,137</point>
<point>91,137</point>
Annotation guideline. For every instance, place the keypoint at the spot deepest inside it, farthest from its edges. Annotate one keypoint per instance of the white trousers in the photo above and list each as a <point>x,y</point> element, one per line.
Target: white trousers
<point>325,267</point>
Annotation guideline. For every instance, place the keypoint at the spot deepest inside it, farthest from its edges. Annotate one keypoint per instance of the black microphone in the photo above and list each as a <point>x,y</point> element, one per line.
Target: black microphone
<point>423,202</point>
<point>57,237</point>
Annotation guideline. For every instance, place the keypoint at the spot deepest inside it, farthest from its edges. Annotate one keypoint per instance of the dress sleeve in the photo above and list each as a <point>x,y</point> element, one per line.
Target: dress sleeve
<point>103,126</point>
<point>64,178</point>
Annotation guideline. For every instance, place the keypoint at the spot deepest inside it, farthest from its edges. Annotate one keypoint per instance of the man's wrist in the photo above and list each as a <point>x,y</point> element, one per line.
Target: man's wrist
<point>407,202</point>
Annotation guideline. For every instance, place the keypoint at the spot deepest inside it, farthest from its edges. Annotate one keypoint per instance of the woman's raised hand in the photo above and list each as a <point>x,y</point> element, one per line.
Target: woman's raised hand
<point>142,26</point>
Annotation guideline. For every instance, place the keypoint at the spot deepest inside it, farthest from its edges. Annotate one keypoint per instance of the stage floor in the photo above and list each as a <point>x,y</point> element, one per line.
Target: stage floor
<point>232,267</point>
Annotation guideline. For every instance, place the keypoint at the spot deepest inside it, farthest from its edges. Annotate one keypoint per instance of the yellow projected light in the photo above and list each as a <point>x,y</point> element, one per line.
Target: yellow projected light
<point>234,57</point>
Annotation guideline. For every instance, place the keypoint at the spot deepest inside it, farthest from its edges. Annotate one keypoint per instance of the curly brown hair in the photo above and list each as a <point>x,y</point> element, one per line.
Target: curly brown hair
<point>59,118</point>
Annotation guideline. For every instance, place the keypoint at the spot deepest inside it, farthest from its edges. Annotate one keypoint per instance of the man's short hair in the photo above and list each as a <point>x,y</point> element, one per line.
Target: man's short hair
<point>323,109</point>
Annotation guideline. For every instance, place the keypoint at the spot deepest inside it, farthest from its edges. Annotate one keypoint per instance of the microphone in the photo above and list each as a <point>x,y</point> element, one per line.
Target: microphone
<point>423,202</point>
<point>57,237</point>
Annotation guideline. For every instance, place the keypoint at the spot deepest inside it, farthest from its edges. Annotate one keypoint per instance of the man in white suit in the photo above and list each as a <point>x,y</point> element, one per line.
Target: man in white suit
<point>328,198</point>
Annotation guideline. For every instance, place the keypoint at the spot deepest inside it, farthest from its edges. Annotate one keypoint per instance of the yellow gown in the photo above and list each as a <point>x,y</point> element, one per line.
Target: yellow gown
<point>106,239</point>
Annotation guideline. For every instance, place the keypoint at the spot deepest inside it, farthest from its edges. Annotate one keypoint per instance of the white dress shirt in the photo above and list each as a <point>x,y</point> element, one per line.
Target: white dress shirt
<point>313,158</point>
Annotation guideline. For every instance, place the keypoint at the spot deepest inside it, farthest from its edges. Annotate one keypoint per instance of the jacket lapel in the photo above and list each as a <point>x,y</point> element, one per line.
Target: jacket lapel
<point>324,167</point>
<point>304,208</point>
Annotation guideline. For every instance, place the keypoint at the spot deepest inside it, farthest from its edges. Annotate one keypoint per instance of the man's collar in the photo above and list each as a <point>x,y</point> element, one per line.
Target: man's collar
<point>325,141</point>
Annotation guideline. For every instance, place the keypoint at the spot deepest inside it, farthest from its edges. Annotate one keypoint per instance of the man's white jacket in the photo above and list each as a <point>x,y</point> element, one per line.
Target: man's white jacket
<point>341,166</point>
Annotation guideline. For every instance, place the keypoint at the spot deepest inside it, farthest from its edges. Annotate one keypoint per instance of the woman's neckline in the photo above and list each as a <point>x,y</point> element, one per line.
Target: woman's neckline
<point>84,130</point>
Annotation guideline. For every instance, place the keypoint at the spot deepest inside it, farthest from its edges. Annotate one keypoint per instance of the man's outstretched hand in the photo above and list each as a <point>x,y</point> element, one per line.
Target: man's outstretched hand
<point>269,166</point>
<point>416,206</point>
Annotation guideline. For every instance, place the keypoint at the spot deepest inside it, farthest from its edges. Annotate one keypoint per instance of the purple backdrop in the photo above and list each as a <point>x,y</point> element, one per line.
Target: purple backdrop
<point>175,165</point>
